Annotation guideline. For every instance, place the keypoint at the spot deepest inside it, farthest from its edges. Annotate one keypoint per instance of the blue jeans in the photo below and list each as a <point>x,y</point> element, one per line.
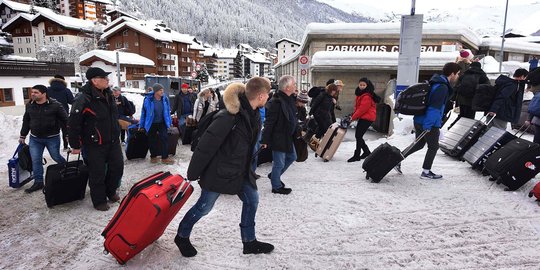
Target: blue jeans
<point>281,162</point>
<point>37,146</point>
<point>250,199</point>
<point>255,149</point>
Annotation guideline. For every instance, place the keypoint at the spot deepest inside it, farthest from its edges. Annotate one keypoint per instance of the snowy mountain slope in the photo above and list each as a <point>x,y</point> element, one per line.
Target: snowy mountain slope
<point>334,219</point>
<point>485,19</point>
<point>230,22</point>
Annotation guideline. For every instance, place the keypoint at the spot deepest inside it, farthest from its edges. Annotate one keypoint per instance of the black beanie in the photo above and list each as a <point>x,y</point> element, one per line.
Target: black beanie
<point>41,88</point>
<point>331,81</point>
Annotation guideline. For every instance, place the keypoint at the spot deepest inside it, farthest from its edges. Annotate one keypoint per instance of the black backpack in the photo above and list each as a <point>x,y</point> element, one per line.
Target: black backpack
<point>315,91</point>
<point>413,100</point>
<point>484,96</point>
<point>25,160</point>
<point>130,107</point>
<point>467,85</point>
<point>203,124</point>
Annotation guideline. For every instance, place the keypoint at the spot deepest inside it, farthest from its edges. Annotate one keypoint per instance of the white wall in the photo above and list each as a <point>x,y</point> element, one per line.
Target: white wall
<point>285,49</point>
<point>18,83</point>
<point>113,79</point>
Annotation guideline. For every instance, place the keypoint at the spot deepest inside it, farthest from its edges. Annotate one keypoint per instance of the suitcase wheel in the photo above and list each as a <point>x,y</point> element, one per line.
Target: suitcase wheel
<point>325,160</point>
<point>367,177</point>
<point>105,252</point>
<point>530,194</point>
<point>491,179</point>
<point>316,155</point>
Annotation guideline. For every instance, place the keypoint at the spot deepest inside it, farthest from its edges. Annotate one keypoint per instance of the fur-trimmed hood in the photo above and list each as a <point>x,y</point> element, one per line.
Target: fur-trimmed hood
<point>57,80</point>
<point>231,97</point>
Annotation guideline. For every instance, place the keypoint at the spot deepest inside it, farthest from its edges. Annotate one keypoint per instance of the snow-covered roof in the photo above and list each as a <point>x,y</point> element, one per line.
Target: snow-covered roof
<point>208,52</point>
<point>26,16</point>
<point>150,28</point>
<point>17,6</point>
<point>245,45</point>
<point>66,21</point>
<point>196,46</point>
<point>491,65</point>
<point>124,57</point>
<point>18,58</point>
<point>257,58</point>
<point>362,29</point>
<point>512,44</point>
<point>383,60</point>
<point>262,50</point>
<point>4,42</point>
<point>118,21</point>
<point>106,2</point>
<point>227,53</point>
<point>288,40</point>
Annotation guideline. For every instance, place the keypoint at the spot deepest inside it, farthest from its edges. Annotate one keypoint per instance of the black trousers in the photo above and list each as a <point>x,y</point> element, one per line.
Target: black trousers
<point>466,111</point>
<point>432,140</point>
<point>361,129</point>
<point>106,167</point>
<point>157,132</point>
<point>65,138</point>
<point>323,122</point>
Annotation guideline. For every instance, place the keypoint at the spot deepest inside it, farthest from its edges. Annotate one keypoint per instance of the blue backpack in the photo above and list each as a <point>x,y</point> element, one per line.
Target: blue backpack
<point>534,105</point>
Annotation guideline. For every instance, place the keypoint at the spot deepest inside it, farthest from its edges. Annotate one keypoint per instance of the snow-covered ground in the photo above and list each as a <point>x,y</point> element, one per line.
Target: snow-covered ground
<point>333,219</point>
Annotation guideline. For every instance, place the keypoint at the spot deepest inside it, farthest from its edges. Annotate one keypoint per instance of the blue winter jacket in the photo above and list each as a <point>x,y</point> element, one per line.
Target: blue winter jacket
<point>440,89</point>
<point>147,113</point>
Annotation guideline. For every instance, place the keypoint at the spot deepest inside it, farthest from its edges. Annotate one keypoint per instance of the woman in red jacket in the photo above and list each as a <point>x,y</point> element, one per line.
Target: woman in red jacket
<point>365,112</point>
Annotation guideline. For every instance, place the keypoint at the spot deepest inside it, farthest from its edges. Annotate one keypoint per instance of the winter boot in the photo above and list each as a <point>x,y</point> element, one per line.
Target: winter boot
<point>355,157</point>
<point>256,247</point>
<point>365,154</point>
<point>185,246</point>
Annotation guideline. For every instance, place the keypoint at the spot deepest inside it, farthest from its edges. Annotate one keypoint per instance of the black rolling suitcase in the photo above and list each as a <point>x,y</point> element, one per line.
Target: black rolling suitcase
<point>491,141</point>
<point>384,158</point>
<point>65,182</point>
<point>382,120</point>
<point>514,164</point>
<point>137,146</point>
<point>173,135</point>
<point>461,136</point>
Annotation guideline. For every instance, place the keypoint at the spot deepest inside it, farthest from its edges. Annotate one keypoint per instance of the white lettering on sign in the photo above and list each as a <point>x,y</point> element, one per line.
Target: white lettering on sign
<point>377,48</point>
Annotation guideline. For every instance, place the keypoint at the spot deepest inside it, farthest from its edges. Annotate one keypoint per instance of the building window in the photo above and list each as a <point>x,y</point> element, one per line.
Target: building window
<point>17,31</point>
<point>292,45</point>
<point>51,39</point>
<point>61,38</point>
<point>118,45</point>
<point>50,29</point>
<point>125,33</point>
<point>28,50</point>
<point>27,40</point>
<point>6,95</point>
<point>126,45</point>
<point>59,29</point>
<point>136,44</point>
<point>20,50</point>
<point>26,30</point>
<point>19,40</point>
<point>26,93</point>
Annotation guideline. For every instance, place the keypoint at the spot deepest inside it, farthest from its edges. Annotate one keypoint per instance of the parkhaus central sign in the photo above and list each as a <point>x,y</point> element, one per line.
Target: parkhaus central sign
<point>377,48</point>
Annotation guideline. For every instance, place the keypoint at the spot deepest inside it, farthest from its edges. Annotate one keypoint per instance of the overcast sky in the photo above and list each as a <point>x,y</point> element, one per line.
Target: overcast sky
<point>404,6</point>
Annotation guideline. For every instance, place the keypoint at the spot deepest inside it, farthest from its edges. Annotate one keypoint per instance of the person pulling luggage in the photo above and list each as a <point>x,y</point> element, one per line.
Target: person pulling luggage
<point>43,119</point>
<point>431,121</point>
<point>365,111</point>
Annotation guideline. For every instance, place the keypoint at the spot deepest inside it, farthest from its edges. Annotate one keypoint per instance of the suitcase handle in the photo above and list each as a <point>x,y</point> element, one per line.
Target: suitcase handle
<point>522,131</point>
<point>488,121</point>
<point>404,152</point>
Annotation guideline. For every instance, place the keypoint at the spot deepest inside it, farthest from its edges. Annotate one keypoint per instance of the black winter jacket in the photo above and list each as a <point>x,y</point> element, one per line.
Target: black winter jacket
<point>507,104</point>
<point>279,130</point>
<point>44,120</point>
<point>465,88</point>
<point>93,119</point>
<point>223,155</point>
<point>60,92</point>
<point>178,105</point>
<point>122,106</point>
<point>323,108</point>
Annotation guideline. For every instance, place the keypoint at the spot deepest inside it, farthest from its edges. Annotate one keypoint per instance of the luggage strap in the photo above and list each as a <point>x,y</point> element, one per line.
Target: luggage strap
<point>17,151</point>
<point>404,152</point>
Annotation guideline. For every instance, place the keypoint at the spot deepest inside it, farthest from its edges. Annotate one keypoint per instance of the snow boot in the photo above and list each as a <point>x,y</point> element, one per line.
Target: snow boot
<point>256,247</point>
<point>355,157</point>
<point>185,246</point>
<point>365,154</point>
<point>34,187</point>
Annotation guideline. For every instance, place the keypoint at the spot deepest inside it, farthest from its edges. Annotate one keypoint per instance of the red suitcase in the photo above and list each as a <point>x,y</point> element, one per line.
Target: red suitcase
<point>144,214</point>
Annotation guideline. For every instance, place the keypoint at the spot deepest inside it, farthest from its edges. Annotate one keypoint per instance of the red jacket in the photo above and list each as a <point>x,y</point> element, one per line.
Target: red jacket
<point>365,108</point>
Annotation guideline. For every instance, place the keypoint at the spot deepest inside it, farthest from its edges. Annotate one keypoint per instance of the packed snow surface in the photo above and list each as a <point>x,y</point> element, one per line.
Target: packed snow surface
<point>333,219</point>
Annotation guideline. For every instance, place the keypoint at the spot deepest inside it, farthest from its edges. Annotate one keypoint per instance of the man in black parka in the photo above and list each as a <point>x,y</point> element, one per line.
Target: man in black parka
<point>222,161</point>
